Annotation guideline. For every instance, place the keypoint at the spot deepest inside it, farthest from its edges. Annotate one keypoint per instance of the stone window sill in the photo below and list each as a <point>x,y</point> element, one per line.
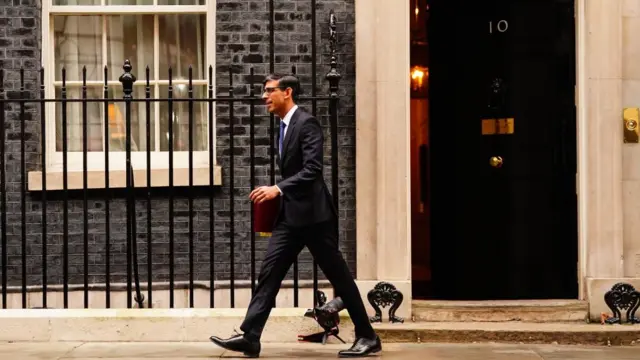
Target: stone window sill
<point>117,179</point>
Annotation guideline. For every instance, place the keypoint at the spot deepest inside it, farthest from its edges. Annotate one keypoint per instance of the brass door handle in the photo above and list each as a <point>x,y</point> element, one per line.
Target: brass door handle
<point>495,161</point>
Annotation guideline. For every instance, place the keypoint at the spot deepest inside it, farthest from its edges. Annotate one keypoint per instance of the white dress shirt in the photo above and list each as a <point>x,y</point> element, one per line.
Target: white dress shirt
<point>287,120</point>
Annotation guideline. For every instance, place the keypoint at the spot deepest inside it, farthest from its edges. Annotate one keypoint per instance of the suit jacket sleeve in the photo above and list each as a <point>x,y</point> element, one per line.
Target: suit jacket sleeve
<point>311,143</point>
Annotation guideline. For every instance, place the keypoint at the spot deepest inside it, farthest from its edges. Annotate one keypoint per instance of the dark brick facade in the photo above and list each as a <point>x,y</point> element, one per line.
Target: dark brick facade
<point>242,41</point>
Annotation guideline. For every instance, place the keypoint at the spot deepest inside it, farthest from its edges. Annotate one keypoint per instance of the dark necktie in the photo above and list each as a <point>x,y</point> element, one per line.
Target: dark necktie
<point>281,140</point>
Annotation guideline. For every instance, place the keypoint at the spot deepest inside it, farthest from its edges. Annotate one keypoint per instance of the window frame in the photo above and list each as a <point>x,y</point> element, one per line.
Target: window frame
<point>117,159</point>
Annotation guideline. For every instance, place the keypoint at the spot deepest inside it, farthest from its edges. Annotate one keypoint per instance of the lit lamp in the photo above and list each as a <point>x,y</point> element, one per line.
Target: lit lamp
<point>419,85</point>
<point>418,75</point>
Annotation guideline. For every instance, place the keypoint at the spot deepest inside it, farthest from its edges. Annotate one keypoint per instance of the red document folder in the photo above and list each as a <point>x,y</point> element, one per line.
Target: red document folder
<point>264,216</point>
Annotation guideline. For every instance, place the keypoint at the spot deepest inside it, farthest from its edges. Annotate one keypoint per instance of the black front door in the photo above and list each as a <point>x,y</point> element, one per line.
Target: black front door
<point>503,149</point>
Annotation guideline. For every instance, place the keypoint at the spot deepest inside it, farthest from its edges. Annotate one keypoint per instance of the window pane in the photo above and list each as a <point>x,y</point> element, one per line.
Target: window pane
<point>117,118</point>
<point>95,123</point>
<point>129,2</point>
<point>181,119</point>
<point>130,37</point>
<point>78,43</point>
<point>182,43</point>
<point>182,2</point>
<point>74,120</point>
<point>76,2</point>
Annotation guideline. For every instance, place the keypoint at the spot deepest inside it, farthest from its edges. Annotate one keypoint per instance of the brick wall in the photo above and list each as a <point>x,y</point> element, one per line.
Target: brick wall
<point>242,41</point>
<point>20,39</point>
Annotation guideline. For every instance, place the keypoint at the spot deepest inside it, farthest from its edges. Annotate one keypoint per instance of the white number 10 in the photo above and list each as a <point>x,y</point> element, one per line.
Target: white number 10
<point>502,26</point>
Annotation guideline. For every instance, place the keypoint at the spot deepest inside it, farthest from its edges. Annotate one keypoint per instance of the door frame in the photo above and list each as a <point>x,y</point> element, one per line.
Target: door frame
<point>383,242</point>
<point>581,141</point>
<point>582,146</point>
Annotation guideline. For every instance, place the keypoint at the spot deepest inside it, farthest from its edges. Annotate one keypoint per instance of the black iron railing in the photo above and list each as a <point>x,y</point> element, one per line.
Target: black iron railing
<point>32,108</point>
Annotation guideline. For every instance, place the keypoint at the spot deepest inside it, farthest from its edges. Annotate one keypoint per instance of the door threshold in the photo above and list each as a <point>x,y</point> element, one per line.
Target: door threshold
<point>551,310</point>
<point>500,303</point>
<point>514,333</point>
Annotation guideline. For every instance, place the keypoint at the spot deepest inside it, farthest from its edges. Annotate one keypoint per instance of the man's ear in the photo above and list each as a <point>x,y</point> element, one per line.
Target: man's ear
<point>288,92</point>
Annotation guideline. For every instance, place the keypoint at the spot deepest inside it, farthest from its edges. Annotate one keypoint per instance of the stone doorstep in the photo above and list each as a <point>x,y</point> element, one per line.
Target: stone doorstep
<point>501,310</point>
<point>284,325</point>
<point>511,332</point>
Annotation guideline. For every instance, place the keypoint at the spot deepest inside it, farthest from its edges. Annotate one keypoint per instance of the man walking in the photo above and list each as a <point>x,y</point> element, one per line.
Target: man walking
<point>307,218</point>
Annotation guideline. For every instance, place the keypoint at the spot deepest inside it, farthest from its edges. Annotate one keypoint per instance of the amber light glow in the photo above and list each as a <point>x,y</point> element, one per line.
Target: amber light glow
<point>418,76</point>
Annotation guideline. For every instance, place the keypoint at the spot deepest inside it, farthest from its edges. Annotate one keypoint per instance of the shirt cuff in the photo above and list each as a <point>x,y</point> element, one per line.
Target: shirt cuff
<point>277,187</point>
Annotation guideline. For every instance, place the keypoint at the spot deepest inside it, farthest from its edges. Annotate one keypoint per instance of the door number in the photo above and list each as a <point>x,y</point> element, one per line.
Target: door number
<point>501,26</point>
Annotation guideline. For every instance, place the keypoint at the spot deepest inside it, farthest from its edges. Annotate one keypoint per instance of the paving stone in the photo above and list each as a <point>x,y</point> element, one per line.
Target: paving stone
<point>409,351</point>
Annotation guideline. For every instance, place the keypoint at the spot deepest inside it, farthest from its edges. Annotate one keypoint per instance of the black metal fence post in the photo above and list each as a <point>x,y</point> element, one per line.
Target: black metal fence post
<point>127,79</point>
<point>43,139</point>
<point>334,79</point>
<point>3,193</point>
<point>296,283</point>
<point>272,61</point>
<point>191,254</point>
<point>232,225</point>
<point>23,189</point>
<point>107,202</point>
<point>65,201</point>
<point>211,195</point>
<point>171,195</point>
<point>314,112</point>
<point>85,206</point>
<point>252,174</point>
<point>147,93</point>
<point>272,119</point>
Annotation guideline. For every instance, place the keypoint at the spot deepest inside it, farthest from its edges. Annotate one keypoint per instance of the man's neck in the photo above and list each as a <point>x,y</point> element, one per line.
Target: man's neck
<point>285,112</point>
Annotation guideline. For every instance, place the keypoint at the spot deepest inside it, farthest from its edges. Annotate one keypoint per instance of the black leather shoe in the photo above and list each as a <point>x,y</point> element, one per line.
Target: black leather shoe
<point>239,343</point>
<point>362,347</point>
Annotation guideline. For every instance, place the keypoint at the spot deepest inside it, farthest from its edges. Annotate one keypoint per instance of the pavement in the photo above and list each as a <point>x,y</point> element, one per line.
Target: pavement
<point>408,351</point>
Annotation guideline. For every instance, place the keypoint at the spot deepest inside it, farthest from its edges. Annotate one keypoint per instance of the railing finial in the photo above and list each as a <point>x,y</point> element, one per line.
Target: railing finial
<point>333,75</point>
<point>127,79</point>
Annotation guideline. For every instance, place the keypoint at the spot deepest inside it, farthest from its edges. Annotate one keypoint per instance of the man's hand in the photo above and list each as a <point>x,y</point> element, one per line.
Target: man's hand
<point>264,193</point>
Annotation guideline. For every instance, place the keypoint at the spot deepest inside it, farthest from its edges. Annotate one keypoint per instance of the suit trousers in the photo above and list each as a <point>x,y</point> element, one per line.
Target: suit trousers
<point>284,246</point>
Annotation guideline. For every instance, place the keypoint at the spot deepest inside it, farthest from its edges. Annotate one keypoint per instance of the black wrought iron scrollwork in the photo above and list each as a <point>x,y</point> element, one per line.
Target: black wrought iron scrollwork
<point>383,295</point>
<point>623,296</point>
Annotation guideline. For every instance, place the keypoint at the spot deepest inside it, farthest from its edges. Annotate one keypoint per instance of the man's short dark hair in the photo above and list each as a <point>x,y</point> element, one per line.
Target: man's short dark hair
<point>285,81</point>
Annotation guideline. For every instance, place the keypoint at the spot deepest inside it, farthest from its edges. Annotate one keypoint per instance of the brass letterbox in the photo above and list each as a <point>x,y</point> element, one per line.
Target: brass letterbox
<point>631,130</point>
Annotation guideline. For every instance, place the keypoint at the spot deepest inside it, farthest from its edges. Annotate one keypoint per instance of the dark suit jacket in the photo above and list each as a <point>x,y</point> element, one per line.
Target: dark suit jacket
<point>306,199</point>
